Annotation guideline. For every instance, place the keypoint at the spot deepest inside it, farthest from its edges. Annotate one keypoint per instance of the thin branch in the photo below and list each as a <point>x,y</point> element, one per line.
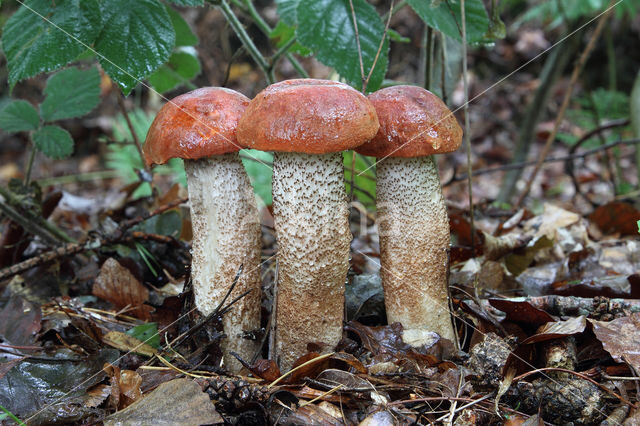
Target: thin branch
<point>375,60</point>
<point>355,26</point>
<point>565,103</point>
<point>132,130</point>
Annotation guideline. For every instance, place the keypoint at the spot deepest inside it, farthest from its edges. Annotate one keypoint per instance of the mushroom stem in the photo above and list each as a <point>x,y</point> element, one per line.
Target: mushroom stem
<point>226,234</point>
<point>414,238</point>
<point>312,228</point>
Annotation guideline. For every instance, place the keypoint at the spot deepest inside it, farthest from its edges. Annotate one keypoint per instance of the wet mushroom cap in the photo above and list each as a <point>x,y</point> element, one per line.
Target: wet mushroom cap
<point>195,125</point>
<point>413,123</point>
<point>308,116</point>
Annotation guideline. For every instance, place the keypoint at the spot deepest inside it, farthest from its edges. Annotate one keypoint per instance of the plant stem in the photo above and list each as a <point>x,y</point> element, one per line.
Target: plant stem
<point>132,130</point>
<point>266,30</point>
<point>428,56</point>
<point>244,38</point>
<point>27,174</point>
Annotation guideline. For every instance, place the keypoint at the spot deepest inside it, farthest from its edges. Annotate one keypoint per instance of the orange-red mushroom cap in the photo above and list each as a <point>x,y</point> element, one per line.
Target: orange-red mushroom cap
<point>198,124</point>
<point>413,123</point>
<point>308,116</point>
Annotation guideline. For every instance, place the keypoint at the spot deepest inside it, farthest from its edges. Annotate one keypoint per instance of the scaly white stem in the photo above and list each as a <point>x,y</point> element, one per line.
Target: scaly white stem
<point>312,228</point>
<point>414,238</point>
<point>226,234</point>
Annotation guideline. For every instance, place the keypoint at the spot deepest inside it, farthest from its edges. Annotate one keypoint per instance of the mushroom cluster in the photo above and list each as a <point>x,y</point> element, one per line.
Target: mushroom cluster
<point>308,123</point>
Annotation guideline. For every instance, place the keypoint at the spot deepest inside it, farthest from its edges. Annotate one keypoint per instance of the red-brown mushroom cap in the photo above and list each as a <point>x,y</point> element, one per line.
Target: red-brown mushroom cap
<point>198,124</point>
<point>413,123</point>
<point>308,116</point>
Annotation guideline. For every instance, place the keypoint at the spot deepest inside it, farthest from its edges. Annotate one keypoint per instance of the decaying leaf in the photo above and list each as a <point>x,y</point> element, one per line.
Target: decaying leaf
<point>620,338</point>
<point>127,343</point>
<point>19,322</point>
<point>116,284</point>
<point>556,329</point>
<point>180,401</point>
<point>616,217</point>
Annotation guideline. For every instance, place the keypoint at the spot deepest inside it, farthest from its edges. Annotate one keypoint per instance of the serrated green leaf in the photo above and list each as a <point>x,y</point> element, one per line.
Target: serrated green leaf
<point>182,67</point>
<point>19,116</point>
<point>71,93</point>
<point>287,11</point>
<point>187,2</point>
<point>146,333</point>
<point>445,17</point>
<point>281,35</point>
<point>326,26</point>
<point>137,38</point>
<point>184,35</point>
<point>34,45</point>
<point>53,141</point>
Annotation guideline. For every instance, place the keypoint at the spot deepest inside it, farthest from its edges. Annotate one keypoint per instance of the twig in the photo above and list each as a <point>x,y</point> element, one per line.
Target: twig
<point>247,42</point>
<point>382,40</point>
<point>467,127</point>
<point>355,26</point>
<point>565,103</point>
<point>134,135</point>
<point>583,154</point>
<point>74,248</point>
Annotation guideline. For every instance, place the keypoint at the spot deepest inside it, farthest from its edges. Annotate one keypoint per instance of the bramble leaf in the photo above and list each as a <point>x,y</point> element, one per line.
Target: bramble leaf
<point>54,141</point>
<point>71,93</point>
<point>326,26</point>
<point>44,35</point>
<point>183,65</point>
<point>19,116</point>
<point>137,39</point>
<point>445,17</point>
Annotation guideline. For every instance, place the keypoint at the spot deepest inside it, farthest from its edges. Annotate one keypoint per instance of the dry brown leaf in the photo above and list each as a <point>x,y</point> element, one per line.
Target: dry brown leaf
<point>127,343</point>
<point>179,401</point>
<point>620,338</point>
<point>116,284</point>
<point>616,217</point>
<point>555,329</point>
<point>97,395</point>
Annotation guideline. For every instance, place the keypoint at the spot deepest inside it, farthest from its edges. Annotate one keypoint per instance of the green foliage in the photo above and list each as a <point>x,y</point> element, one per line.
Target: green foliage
<point>71,93</point>
<point>287,11</point>
<point>168,223</point>
<point>19,116</point>
<point>364,183</point>
<point>187,2</point>
<point>146,333</point>
<point>260,173</point>
<point>184,35</point>
<point>183,65</point>
<point>326,26</point>
<point>136,39</point>
<point>283,33</point>
<point>70,27</point>
<point>551,13</point>
<point>53,141</point>
<point>445,16</point>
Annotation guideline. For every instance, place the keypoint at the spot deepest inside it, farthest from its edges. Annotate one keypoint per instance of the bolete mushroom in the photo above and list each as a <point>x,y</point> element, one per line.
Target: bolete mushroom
<point>413,224</point>
<point>308,123</point>
<point>200,127</point>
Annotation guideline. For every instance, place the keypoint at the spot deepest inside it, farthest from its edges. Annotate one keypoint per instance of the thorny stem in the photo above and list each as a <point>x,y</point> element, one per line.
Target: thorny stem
<point>27,174</point>
<point>467,128</point>
<point>132,130</point>
<point>244,37</point>
<point>565,102</point>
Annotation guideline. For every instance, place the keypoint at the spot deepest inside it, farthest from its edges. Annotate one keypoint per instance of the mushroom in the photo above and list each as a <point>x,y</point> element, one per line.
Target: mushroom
<point>200,127</point>
<point>308,123</point>
<point>412,220</point>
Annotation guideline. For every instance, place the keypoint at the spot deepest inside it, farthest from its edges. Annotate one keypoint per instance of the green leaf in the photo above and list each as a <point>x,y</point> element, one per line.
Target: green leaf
<point>182,66</point>
<point>184,35</point>
<point>365,183</point>
<point>281,35</point>
<point>287,11</point>
<point>187,2</point>
<point>19,116</point>
<point>137,38</point>
<point>146,333</point>
<point>53,141</point>
<point>71,93</point>
<point>445,17</point>
<point>34,45</point>
<point>259,173</point>
<point>326,26</point>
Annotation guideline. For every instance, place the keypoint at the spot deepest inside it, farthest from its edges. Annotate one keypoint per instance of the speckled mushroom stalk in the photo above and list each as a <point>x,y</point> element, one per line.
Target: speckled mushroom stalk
<point>309,122</point>
<point>412,216</point>
<point>200,127</point>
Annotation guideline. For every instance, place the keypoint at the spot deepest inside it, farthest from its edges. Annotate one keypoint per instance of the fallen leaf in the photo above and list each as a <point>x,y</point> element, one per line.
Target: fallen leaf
<point>19,322</point>
<point>616,217</point>
<point>556,329</point>
<point>127,343</point>
<point>620,338</point>
<point>266,369</point>
<point>522,312</point>
<point>180,401</point>
<point>116,284</point>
